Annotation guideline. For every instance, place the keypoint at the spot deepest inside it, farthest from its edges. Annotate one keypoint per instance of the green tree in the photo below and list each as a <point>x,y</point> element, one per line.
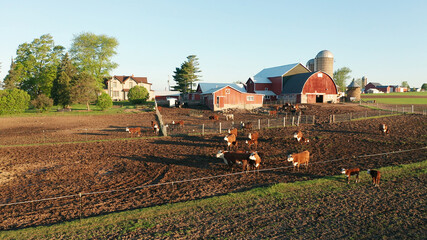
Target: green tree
<point>424,87</point>
<point>84,89</point>
<point>62,84</point>
<point>405,84</point>
<point>341,76</point>
<point>138,95</point>
<point>35,66</point>
<point>15,76</point>
<point>92,54</point>
<point>187,74</point>
<point>42,103</point>
<point>13,101</point>
<point>104,101</point>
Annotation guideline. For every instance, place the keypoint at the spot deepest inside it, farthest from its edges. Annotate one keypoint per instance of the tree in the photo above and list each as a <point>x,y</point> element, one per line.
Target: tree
<point>104,101</point>
<point>186,75</point>
<point>92,54</point>
<point>13,101</point>
<point>42,103</point>
<point>405,84</point>
<point>424,87</point>
<point>62,84</point>
<point>14,76</point>
<point>341,76</point>
<point>35,66</point>
<point>138,95</point>
<point>84,89</point>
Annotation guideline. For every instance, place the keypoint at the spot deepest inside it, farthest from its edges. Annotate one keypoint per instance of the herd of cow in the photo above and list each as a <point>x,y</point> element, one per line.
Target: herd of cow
<point>248,160</point>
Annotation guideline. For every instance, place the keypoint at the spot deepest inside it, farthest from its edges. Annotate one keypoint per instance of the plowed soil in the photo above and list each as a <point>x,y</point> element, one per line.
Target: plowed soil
<point>118,174</point>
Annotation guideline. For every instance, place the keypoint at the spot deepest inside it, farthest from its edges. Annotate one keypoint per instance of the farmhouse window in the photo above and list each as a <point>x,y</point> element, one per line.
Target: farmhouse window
<point>250,98</point>
<point>114,84</point>
<point>130,84</point>
<point>115,93</point>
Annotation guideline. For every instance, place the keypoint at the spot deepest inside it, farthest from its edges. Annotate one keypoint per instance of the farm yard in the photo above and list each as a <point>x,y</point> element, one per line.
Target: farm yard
<point>89,165</point>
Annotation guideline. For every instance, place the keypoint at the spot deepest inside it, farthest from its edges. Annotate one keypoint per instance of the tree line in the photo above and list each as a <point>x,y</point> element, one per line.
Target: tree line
<point>46,74</point>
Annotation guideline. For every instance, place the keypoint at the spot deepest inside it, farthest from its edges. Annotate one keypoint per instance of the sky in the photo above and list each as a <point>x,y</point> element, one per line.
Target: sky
<point>386,41</point>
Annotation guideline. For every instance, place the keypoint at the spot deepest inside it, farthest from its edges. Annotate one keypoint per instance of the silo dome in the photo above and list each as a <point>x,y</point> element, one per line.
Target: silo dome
<point>325,54</point>
<point>310,65</point>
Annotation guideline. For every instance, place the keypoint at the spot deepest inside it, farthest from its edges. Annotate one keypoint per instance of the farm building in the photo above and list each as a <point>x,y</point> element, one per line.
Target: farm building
<point>353,92</point>
<point>296,83</point>
<point>118,86</point>
<point>383,88</point>
<point>218,96</point>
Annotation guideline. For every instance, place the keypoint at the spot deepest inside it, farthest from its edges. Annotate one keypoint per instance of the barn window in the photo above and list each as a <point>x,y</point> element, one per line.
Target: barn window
<point>250,98</point>
<point>227,91</point>
<point>320,75</point>
<point>266,89</point>
<point>267,97</point>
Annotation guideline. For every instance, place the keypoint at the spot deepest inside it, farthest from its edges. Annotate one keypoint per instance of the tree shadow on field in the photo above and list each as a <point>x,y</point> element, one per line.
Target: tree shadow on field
<point>191,141</point>
<point>196,161</point>
<point>343,131</point>
<point>92,134</point>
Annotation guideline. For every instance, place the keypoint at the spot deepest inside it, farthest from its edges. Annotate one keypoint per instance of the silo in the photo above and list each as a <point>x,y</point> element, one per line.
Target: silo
<point>324,61</point>
<point>353,92</point>
<point>310,65</point>
<point>364,81</point>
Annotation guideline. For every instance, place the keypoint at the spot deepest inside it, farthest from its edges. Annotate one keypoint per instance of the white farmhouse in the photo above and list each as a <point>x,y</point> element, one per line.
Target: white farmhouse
<point>118,86</point>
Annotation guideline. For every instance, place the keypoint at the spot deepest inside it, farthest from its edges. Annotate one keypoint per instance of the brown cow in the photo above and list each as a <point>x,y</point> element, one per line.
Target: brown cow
<point>350,172</point>
<point>233,131</point>
<point>253,136</point>
<point>180,123</point>
<point>272,113</point>
<point>252,143</point>
<point>247,125</point>
<point>231,141</point>
<point>233,159</point>
<point>254,161</point>
<point>155,127</point>
<point>298,136</point>
<point>214,117</point>
<point>133,131</point>
<point>376,175</point>
<point>299,158</point>
<point>384,129</point>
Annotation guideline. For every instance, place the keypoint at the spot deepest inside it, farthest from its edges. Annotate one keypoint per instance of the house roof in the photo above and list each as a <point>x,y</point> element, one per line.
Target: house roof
<point>266,93</point>
<point>262,77</point>
<point>353,84</point>
<point>296,82</point>
<point>375,84</point>
<point>123,79</point>
<point>213,87</point>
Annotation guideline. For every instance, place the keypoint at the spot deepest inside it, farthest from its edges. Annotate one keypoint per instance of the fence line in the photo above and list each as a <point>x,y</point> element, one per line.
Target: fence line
<point>199,179</point>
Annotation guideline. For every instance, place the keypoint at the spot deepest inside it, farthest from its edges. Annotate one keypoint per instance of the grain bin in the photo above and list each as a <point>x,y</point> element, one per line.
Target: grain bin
<point>353,92</point>
<point>324,61</point>
<point>310,65</point>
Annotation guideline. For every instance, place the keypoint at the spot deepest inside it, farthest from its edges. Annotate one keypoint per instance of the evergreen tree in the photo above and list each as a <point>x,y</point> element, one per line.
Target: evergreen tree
<point>62,84</point>
<point>14,76</point>
<point>84,89</point>
<point>187,74</point>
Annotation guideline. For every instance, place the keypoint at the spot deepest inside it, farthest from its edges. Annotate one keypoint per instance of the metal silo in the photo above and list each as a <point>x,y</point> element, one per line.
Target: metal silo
<point>324,61</point>
<point>310,65</point>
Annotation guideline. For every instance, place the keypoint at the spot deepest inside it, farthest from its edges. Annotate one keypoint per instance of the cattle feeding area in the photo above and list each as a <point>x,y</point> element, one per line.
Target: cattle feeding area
<point>103,169</point>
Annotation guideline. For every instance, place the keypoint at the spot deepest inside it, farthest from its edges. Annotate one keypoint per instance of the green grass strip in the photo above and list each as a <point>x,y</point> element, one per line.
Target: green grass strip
<point>116,224</point>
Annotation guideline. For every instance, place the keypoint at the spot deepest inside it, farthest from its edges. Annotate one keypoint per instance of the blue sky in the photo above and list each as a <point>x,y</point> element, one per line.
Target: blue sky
<point>385,41</point>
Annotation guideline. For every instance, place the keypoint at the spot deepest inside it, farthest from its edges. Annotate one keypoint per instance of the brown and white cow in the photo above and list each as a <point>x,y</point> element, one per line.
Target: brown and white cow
<point>253,136</point>
<point>133,131</point>
<point>254,161</point>
<point>231,141</point>
<point>376,175</point>
<point>351,172</point>
<point>298,159</point>
<point>229,116</point>
<point>214,117</point>
<point>155,127</point>
<point>298,136</point>
<point>247,125</point>
<point>233,131</point>
<point>384,129</point>
<point>233,159</point>
<point>252,143</point>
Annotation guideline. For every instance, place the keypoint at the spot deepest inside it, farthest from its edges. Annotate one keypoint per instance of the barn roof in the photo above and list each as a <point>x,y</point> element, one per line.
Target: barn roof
<point>375,84</point>
<point>296,82</point>
<point>266,93</point>
<point>213,87</point>
<point>262,77</point>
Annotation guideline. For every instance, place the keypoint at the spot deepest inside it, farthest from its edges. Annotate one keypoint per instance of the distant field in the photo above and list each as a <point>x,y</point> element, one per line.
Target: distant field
<point>397,98</point>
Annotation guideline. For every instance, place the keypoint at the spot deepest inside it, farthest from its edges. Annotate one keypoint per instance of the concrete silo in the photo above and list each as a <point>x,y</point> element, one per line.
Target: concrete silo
<point>324,61</point>
<point>310,65</point>
<point>364,81</point>
<point>353,92</point>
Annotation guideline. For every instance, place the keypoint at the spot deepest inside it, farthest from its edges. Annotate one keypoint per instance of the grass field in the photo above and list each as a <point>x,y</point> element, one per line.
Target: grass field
<point>280,204</point>
<point>399,101</point>
<point>413,94</point>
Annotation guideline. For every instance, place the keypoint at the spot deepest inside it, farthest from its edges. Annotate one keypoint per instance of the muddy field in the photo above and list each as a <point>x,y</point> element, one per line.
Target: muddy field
<point>118,174</point>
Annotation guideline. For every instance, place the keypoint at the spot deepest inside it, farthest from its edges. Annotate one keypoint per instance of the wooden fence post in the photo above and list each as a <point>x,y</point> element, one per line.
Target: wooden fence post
<point>284,121</point>
<point>259,124</point>
<point>293,120</point>
<point>219,127</point>
<point>203,129</point>
<point>314,117</point>
<point>268,123</point>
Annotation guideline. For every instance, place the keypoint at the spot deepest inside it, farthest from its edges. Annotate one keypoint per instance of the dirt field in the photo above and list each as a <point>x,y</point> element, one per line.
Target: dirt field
<point>49,171</point>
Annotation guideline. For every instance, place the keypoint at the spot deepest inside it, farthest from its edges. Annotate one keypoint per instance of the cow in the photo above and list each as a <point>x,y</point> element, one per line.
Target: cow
<point>233,131</point>
<point>299,158</point>
<point>298,136</point>
<point>159,108</point>
<point>233,159</point>
<point>180,123</point>
<point>272,113</point>
<point>277,108</point>
<point>231,141</point>
<point>384,129</point>
<point>133,131</point>
<point>350,172</point>
<point>155,127</point>
<point>253,136</point>
<point>254,161</point>
<point>247,125</point>
<point>214,117</point>
<point>376,175</point>
<point>252,143</point>
<point>229,116</point>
